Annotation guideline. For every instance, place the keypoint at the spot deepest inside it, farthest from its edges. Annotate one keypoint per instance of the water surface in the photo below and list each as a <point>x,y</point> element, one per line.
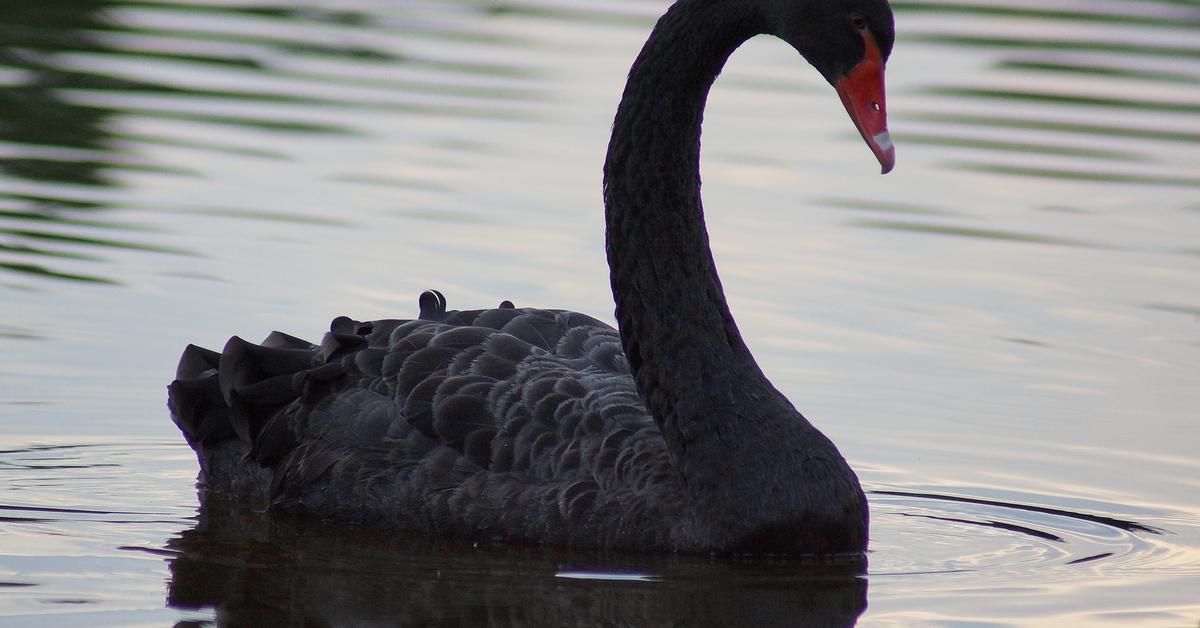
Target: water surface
<point>1002,335</point>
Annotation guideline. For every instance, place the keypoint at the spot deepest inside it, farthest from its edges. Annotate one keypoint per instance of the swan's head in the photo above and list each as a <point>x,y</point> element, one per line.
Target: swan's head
<point>848,42</point>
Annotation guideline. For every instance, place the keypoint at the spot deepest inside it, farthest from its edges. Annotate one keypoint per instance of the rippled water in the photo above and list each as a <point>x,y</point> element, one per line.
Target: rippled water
<point>1003,335</point>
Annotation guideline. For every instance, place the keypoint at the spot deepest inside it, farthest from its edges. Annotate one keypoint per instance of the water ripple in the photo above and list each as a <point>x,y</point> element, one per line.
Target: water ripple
<point>988,535</point>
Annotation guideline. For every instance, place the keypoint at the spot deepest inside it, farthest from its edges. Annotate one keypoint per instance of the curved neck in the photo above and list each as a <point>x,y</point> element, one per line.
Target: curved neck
<point>689,361</point>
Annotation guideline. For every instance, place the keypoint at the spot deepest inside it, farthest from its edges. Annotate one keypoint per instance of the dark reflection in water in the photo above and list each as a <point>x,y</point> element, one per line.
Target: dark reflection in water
<point>32,112</point>
<point>1166,13</point>
<point>1048,44</point>
<point>66,123</point>
<point>1060,126</point>
<point>278,570</point>
<point>67,143</point>
<point>1101,70</point>
<point>1093,71</point>
<point>1079,174</point>
<point>967,232</point>
<point>71,99</point>
<point>62,141</point>
<point>1066,99</point>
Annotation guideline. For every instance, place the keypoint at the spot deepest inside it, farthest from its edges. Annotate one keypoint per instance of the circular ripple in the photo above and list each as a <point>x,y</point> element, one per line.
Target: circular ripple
<point>916,532</point>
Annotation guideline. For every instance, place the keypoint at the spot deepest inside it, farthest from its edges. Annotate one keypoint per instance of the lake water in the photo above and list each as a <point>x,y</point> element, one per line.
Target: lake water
<point>1003,335</point>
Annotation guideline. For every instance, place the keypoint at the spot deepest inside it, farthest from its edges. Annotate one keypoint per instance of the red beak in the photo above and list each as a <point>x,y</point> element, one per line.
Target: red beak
<point>862,93</point>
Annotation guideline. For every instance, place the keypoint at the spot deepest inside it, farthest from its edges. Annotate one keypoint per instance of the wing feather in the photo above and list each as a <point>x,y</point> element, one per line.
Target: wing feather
<point>514,422</point>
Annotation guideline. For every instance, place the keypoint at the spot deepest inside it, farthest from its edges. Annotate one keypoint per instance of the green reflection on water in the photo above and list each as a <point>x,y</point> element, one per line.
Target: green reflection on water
<point>62,238</point>
<point>973,120</point>
<point>1074,45</point>
<point>404,183</point>
<point>1017,147</point>
<point>64,96</point>
<point>66,169</point>
<point>1079,175</point>
<point>1065,99</point>
<point>1100,70</point>
<point>1074,16</point>
<point>590,15</point>
<point>309,13</point>
<point>885,207</point>
<point>270,216</point>
<point>201,145</point>
<point>1175,308</point>
<point>33,112</point>
<point>67,220</point>
<point>24,249</point>
<point>42,271</point>
<point>968,232</point>
<point>40,110</point>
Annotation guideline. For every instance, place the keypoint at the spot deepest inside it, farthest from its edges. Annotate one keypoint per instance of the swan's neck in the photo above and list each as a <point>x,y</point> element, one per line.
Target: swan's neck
<point>757,471</point>
<point>689,361</point>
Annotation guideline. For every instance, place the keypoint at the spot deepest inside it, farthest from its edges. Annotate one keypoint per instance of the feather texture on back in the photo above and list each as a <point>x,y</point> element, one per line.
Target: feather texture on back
<point>512,423</point>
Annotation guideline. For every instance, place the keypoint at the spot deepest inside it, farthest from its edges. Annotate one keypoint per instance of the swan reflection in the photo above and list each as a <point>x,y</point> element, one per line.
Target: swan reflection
<point>252,569</point>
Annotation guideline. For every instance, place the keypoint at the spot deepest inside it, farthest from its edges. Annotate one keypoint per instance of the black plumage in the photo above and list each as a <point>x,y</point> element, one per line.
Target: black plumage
<point>549,426</point>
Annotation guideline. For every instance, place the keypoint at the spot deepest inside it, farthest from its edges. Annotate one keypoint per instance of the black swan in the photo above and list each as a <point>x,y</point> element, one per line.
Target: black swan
<point>549,426</point>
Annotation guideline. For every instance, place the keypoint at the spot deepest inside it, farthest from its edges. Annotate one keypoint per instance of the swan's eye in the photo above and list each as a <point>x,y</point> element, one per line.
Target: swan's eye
<point>858,22</point>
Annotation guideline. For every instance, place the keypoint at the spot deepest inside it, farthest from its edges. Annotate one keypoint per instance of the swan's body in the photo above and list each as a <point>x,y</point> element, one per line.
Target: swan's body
<point>549,426</point>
